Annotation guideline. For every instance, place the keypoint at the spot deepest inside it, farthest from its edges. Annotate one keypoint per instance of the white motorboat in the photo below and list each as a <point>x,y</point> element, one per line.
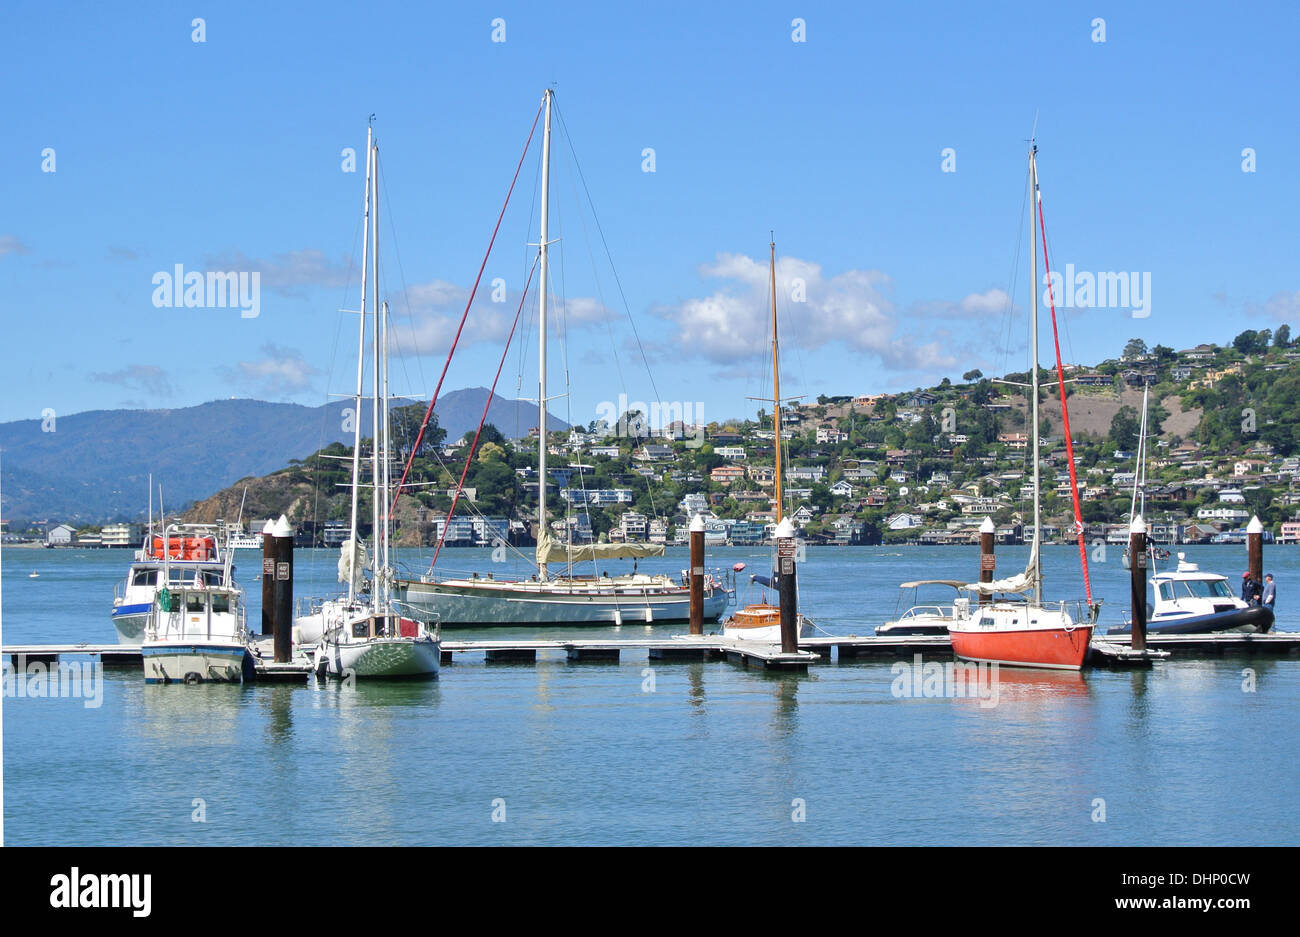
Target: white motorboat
<point>188,557</point>
<point>1189,600</point>
<point>196,633</point>
<point>925,615</point>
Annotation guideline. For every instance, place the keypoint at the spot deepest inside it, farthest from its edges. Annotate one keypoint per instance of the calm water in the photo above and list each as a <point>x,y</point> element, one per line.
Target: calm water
<point>714,755</point>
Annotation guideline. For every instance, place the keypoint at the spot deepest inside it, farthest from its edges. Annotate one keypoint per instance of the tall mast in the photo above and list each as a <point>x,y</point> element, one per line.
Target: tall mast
<point>361,358</point>
<point>1036,568</point>
<point>776,383</point>
<point>541,330</point>
<point>386,480</point>
<point>377,532</point>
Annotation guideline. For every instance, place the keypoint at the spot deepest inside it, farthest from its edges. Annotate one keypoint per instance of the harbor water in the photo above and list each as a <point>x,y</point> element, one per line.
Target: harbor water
<point>1193,752</point>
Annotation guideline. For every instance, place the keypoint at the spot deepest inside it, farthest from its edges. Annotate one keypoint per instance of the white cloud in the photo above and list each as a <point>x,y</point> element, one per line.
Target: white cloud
<point>283,371</point>
<point>853,309</point>
<point>146,377</point>
<point>436,307</point>
<point>289,272</point>
<point>9,244</point>
<point>992,302</point>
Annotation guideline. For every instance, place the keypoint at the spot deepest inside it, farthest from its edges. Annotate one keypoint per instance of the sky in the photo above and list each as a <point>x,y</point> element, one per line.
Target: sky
<point>884,146</point>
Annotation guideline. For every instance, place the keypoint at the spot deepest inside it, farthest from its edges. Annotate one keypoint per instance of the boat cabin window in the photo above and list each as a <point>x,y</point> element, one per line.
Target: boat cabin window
<point>193,601</point>
<point>221,602</point>
<point>1166,591</point>
<point>361,629</point>
<point>144,577</point>
<point>1207,589</point>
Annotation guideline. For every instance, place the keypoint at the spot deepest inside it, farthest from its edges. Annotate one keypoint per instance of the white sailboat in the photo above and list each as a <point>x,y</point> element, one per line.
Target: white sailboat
<point>567,599</point>
<point>362,633</point>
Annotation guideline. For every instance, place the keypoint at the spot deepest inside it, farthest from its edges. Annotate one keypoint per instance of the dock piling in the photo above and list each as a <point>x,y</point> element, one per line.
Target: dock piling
<point>988,562</point>
<point>268,577</point>
<point>282,608</point>
<point>787,586</point>
<point>697,575</point>
<point>1255,550</point>
<point>1137,553</point>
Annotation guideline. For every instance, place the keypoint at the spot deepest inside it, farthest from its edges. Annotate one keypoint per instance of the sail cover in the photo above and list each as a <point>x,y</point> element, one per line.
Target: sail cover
<point>550,550</point>
<point>352,564</point>
<point>1020,582</point>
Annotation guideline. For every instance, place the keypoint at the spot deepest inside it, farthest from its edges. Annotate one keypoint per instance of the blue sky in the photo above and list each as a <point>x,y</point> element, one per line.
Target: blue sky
<point>226,155</point>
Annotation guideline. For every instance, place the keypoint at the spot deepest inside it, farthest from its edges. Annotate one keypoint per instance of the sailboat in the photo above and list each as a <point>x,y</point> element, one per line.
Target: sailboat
<point>1016,627</point>
<point>567,599</point>
<point>1138,505</point>
<point>363,633</point>
<point>761,621</point>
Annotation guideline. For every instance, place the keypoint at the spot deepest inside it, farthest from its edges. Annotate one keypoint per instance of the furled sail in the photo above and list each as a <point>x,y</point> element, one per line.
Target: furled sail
<point>352,564</point>
<point>550,550</point>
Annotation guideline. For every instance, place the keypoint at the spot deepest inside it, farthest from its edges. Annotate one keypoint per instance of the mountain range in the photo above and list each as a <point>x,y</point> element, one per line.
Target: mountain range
<point>93,467</point>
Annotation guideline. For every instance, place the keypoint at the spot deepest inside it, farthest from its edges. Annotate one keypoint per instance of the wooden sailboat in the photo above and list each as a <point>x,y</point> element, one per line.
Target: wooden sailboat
<point>761,621</point>
<point>1017,627</point>
<point>362,633</point>
<point>567,599</point>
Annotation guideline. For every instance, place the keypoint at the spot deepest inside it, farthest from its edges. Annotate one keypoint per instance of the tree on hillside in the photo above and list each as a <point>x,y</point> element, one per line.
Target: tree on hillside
<point>1164,354</point>
<point>1124,429</point>
<point>1282,337</point>
<point>1251,342</point>
<point>1136,348</point>
<point>973,375</point>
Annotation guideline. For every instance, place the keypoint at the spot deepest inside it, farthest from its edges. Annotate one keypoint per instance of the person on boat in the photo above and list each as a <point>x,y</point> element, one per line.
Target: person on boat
<point>1269,595</point>
<point>1249,589</point>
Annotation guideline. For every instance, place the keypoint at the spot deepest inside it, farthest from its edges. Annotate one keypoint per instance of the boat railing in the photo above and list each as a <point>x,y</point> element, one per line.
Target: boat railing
<point>941,611</point>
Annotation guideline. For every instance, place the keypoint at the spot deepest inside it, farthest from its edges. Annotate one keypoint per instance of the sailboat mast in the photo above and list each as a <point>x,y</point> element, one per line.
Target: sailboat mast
<point>776,383</point>
<point>361,358</point>
<point>1033,319</point>
<point>375,509</point>
<point>386,479</point>
<point>541,330</point>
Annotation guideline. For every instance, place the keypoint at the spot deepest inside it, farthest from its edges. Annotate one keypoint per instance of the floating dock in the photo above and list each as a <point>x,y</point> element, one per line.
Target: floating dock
<point>1105,650</point>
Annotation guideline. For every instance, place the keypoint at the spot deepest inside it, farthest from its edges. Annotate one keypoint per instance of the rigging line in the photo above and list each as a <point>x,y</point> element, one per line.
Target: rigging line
<point>600,292</point>
<point>1065,412</point>
<point>465,315</point>
<point>347,284</point>
<point>1013,285</point>
<point>469,459</point>
<point>526,342</point>
<point>406,300</point>
<point>617,280</point>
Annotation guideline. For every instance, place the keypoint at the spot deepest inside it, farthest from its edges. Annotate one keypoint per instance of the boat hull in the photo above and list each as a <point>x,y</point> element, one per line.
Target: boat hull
<point>1051,648</point>
<point>475,606</point>
<point>1257,619</point>
<point>193,662</point>
<point>129,621</point>
<point>918,626</point>
<point>381,658</point>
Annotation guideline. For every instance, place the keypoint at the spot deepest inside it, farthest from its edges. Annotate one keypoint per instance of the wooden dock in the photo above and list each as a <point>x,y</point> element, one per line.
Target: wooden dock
<point>1107,650</point>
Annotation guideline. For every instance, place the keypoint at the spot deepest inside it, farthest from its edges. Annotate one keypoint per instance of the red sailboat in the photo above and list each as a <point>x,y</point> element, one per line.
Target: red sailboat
<point>1013,625</point>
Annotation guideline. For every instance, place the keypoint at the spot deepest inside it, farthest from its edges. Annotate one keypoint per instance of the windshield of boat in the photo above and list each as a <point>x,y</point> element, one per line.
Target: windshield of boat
<point>1202,589</point>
